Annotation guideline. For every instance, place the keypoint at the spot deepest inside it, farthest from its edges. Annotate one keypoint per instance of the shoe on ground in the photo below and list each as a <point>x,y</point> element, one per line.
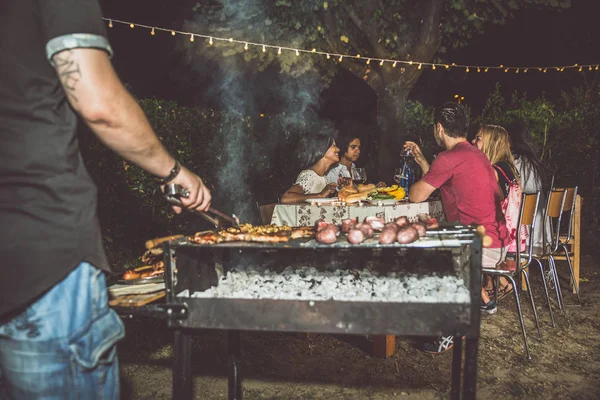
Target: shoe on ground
<point>489,307</point>
<point>440,345</point>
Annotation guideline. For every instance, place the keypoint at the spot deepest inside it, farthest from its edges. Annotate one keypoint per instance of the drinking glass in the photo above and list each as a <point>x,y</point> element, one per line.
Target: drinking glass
<point>359,175</point>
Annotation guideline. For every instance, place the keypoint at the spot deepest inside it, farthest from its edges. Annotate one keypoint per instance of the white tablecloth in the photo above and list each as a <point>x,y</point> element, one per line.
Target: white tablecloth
<point>306,214</point>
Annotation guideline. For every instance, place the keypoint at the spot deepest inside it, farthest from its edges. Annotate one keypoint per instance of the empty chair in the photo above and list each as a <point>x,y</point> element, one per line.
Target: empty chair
<point>518,267</point>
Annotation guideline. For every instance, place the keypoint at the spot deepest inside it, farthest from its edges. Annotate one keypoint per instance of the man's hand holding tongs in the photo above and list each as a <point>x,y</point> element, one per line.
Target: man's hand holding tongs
<point>199,197</point>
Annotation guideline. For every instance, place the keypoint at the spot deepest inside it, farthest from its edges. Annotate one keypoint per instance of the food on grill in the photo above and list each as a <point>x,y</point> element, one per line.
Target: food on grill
<point>376,222</point>
<point>130,275</point>
<point>152,256</point>
<point>388,233</point>
<point>348,224</point>
<point>401,221</point>
<point>321,224</point>
<point>429,221</point>
<point>407,234</point>
<point>252,233</point>
<point>366,228</point>
<point>420,227</point>
<point>356,236</point>
<point>327,235</point>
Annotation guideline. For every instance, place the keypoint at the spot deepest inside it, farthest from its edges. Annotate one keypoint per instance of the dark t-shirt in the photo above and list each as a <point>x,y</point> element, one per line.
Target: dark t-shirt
<point>469,191</point>
<point>47,198</point>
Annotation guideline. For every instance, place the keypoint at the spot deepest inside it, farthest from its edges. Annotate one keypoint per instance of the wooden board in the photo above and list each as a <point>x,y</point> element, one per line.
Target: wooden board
<point>384,346</point>
<point>136,300</point>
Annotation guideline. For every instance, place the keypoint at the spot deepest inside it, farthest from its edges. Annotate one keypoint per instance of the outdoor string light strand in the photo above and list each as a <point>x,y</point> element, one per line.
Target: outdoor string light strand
<point>368,60</point>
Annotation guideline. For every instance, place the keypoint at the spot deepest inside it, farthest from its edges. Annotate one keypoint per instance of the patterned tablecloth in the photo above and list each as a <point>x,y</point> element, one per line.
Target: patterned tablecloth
<point>307,214</point>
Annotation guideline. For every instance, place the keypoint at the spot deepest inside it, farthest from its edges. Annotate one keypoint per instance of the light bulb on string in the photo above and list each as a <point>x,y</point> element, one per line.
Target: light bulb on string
<point>110,24</point>
<point>597,67</point>
<point>131,26</point>
<point>297,52</point>
<point>230,40</point>
<point>545,70</point>
<point>314,50</point>
<point>580,69</point>
<point>447,66</point>
<point>152,32</point>
<point>525,70</point>
<point>486,69</point>
<point>467,69</point>
<point>381,63</point>
<point>245,46</point>
<point>420,66</point>
<point>394,64</point>
<point>368,61</point>
<point>517,71</point>
<point>210,41</point>
<point>340,59</point>
<point>410,63</point>
<point>192,38</point>
<point>590,68</point>
<point>172,33</point>
<point>264,48</point>
<point>328,56</point>
<point>433,66</point>
<point>506,70</point>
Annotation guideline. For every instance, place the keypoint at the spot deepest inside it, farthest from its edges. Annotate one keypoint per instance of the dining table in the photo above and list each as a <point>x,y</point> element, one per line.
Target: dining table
<point>307,213</point>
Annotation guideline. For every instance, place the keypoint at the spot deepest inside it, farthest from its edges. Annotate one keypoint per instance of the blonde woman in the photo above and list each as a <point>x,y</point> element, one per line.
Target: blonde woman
<point>494,142</point>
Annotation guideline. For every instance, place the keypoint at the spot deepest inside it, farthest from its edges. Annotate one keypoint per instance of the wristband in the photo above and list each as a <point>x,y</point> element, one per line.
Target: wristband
<point>171,176</point>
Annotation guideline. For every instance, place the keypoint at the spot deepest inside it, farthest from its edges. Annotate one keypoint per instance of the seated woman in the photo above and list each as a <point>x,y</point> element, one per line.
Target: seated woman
<point>349,153</point>
<point>532,172</point>
<point>494,142</point>
<point>322,153</point>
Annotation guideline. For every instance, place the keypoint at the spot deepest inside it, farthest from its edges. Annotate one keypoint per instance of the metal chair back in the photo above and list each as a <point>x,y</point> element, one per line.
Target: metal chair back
<point>553,213</point>
<point>529,206</point>
<point>569,206</point>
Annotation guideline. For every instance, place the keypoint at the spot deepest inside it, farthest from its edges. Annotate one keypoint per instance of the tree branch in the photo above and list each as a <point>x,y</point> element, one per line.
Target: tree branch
<point>369,31</point>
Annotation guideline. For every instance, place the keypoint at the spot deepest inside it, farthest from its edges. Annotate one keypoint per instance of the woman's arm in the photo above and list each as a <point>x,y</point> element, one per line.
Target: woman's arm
<point>296,194</point>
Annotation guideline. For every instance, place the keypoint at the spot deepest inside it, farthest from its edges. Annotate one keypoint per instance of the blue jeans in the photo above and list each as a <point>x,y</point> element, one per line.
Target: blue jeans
<point>63,346</point>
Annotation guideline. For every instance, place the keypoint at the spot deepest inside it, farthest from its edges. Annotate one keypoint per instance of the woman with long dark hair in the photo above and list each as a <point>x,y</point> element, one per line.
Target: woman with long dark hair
<point>319,153</point>
<point>532,171</point>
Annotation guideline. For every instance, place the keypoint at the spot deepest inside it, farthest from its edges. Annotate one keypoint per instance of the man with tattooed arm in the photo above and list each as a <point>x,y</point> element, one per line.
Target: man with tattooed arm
<point>57,335</point>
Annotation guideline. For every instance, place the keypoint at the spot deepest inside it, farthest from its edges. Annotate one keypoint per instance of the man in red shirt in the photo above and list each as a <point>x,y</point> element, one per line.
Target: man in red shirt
<point>468,188</point>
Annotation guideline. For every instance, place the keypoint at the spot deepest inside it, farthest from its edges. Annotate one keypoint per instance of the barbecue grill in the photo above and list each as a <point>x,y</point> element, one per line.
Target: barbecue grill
<point>438,281</point>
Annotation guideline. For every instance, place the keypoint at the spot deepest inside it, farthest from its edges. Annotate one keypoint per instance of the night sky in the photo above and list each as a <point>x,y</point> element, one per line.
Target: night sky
<point>151,67</point>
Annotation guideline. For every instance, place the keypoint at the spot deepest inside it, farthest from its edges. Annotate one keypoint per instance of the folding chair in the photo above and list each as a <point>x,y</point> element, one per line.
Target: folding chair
<point>518,267</point>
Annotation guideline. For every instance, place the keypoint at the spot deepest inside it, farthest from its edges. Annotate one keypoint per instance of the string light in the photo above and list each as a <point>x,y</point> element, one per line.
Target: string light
<point>479,68</point>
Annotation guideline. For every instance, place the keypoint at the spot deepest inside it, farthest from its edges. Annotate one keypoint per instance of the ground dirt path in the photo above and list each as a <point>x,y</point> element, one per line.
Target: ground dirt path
<point>565,365</point>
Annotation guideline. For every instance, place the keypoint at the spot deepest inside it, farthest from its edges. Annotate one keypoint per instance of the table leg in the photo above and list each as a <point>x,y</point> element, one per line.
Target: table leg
<point>384,346</point>
<point>470,375</point>
<point>182,368</point>
<point>576,241</point>
<point>233,353</point>
<point>456,368</point>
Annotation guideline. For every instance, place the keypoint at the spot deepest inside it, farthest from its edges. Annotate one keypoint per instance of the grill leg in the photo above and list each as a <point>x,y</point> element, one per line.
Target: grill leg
<point>470,375</point>
<point>234,351</point>
<point>456,368</point>
<point>182,368</point>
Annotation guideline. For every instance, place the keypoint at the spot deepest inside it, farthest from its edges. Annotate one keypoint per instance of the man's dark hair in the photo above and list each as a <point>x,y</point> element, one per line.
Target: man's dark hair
<point>343,141</point>
<point>453,118</point>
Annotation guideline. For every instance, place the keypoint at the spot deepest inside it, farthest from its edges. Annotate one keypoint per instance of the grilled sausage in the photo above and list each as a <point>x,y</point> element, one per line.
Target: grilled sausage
<point>131,274</point>
<point>376,222</point>
<point>420,227</point>
<point>401,221</point>
<point>388,235</point>
<point>348,224</point>
<point>366,229</point>
<point>407,235</point>
<point>327,235</point>
<point>356,236</point>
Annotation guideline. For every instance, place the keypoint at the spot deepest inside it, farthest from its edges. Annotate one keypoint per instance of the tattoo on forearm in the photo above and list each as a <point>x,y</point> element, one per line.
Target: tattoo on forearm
<point>69,72</point>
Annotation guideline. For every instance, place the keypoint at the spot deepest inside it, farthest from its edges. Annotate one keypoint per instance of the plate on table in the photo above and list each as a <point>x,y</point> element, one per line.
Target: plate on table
<point>387,202</point>
<point>324,201</point>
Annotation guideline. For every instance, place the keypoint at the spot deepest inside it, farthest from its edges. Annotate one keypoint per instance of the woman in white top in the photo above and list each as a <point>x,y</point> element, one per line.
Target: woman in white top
<point>533,174</point>
<point>312,182</point>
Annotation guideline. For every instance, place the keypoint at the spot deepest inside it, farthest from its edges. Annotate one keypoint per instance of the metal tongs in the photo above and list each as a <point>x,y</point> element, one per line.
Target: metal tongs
<point>174,193</point>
